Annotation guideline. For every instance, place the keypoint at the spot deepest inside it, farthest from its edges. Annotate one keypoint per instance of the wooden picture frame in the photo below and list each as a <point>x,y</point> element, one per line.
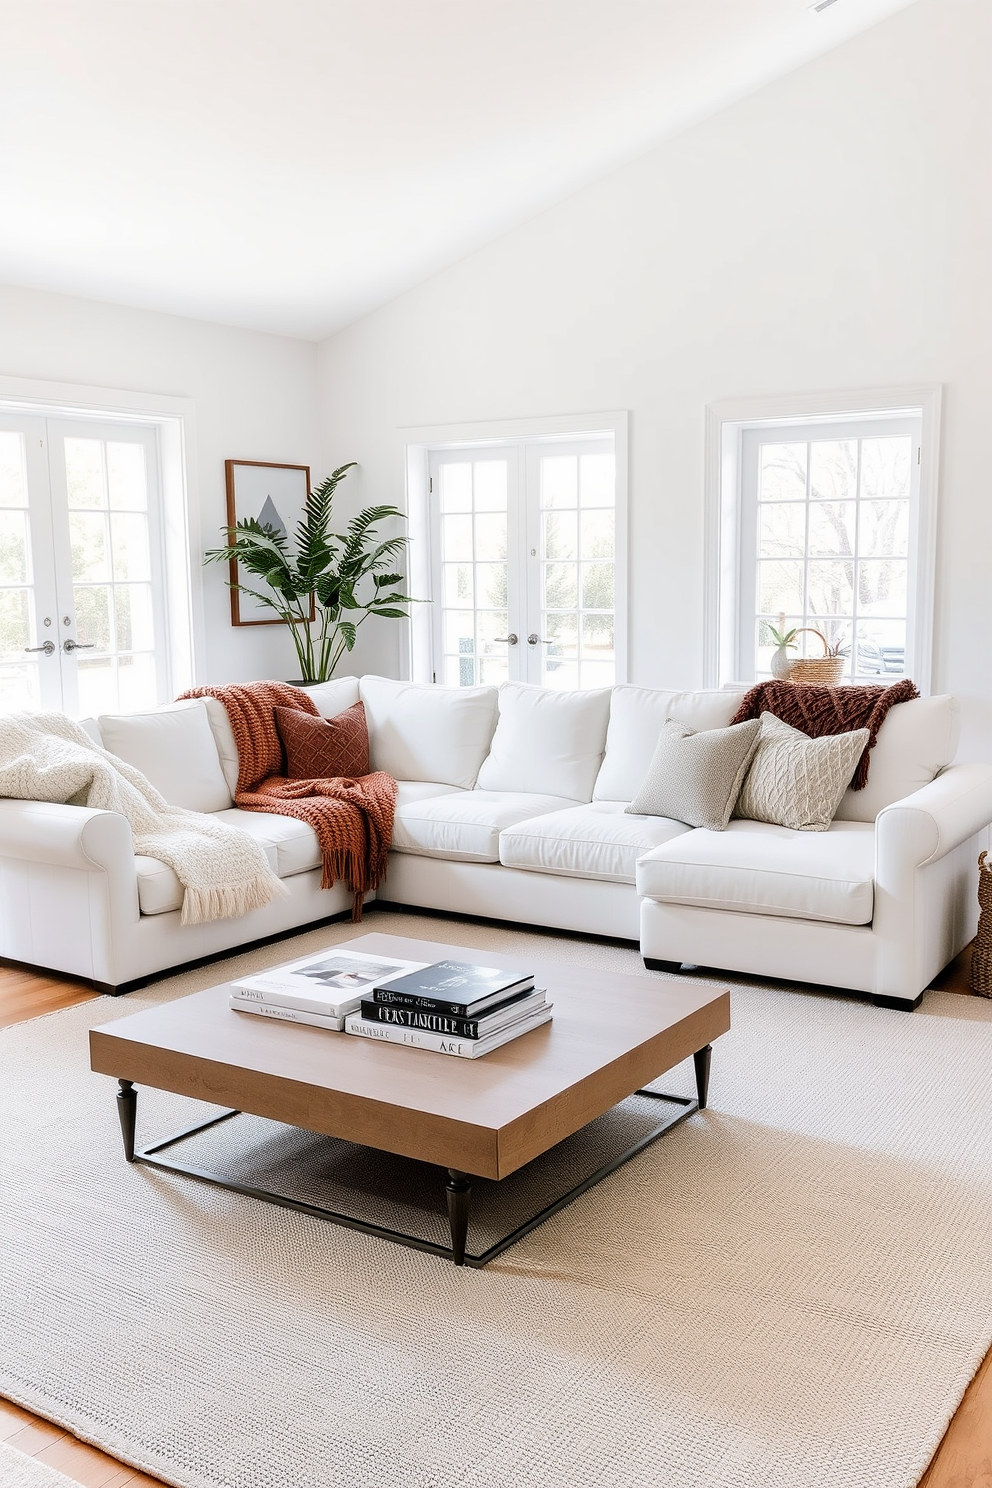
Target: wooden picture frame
<point>253,486</point>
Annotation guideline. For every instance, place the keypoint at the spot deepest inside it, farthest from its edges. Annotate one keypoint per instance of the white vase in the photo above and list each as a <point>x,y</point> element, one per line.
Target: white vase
<point>781,664</point>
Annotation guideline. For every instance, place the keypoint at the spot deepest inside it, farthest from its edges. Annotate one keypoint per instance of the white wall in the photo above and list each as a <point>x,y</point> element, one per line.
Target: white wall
<point>831,232</point>
<point>255,399</point>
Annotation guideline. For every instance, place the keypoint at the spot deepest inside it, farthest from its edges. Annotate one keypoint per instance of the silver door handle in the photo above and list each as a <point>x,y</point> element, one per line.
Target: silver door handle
<point>48,648</point>
<point>78,645</point>
<point>510,640</point>
<point>535,640</point>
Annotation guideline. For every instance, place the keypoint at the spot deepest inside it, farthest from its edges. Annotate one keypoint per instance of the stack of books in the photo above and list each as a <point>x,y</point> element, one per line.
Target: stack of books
<point>319,990</point>
<point>451,1007</point>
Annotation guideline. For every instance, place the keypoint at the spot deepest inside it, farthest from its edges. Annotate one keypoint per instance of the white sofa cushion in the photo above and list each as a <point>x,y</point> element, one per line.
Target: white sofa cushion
<point>757,868</point>
<point>636,718</point>
<point>421,732</point>
<point>916,741</point>
<point>465,827</point>
<point>174,748</point>
<point>547,741</point>
<point>591,841</point>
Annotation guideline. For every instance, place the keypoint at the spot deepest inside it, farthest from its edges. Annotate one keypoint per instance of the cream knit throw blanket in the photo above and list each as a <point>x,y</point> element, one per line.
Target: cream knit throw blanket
<point>224,872</point>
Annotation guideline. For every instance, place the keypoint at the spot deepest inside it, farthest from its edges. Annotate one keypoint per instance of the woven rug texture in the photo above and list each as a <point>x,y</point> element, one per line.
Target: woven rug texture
<point>18,1471</point>
<point>789,1290</point>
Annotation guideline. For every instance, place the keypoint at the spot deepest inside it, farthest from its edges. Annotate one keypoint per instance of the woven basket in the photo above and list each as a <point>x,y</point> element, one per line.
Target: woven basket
<point>981,951</point>
<point>826,670</point>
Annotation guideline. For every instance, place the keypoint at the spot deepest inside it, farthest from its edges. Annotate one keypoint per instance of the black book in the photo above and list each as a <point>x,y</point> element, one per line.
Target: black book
<point>455,987</point>
<point>520,1005</point>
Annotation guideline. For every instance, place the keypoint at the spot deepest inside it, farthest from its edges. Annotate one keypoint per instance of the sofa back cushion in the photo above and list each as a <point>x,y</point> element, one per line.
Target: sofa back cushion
<point>546,741</point>
<point>916,741</point>
<point>636,718</point>
<point>330,699</point>
<point>421,732</point>
<point>174,748</point>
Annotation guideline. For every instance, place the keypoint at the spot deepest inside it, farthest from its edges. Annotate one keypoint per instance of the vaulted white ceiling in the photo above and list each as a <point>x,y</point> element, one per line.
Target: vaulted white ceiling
<point>288,165</point>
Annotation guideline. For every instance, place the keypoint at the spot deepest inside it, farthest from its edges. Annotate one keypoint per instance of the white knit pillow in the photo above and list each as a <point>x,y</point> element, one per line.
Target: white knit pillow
<point>796,781</point>
<point>694,776</point>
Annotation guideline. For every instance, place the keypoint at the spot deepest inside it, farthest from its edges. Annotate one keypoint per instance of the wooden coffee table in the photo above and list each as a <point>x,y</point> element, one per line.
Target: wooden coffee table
<point>610,1035</point>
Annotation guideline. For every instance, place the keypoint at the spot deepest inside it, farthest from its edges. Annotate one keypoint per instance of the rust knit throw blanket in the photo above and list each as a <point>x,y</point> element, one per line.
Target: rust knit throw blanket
<point>353,819</point>
<point>828,710</point>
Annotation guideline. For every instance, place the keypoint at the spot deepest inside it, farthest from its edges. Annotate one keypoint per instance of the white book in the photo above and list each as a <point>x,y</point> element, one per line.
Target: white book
<point>331,982</point>
<point>439,1043</point>
<point>286,1014</point>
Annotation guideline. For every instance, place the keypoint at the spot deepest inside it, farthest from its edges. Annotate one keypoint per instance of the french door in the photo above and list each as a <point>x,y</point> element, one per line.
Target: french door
<point>81,622</point>
<point>524,563</point>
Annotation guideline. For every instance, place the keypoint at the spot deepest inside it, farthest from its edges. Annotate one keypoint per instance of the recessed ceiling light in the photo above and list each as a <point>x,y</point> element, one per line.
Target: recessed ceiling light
<point>815,5</point>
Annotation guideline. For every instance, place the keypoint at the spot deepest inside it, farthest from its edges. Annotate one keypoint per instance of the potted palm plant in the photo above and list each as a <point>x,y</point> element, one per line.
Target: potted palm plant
<point>324,584</point>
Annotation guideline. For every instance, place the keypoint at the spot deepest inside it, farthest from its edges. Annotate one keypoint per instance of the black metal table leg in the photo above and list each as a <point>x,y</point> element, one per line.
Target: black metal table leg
<point>701,1060</point>
<point>127,1107</point>
<point>458,1187</point>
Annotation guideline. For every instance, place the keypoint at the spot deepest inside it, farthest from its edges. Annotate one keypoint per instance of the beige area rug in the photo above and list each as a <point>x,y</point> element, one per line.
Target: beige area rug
<point>790,1290</point>
<point>18,1471</point>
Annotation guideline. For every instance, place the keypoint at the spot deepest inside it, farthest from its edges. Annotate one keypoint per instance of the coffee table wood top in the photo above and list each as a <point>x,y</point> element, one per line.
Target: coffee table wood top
<point>611,1034</point>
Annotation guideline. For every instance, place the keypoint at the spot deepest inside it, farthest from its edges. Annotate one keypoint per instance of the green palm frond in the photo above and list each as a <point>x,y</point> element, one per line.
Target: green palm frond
<point>351,573</point>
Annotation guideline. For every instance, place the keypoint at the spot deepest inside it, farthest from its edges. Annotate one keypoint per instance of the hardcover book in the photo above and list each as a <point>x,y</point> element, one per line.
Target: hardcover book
<point>329,982</point>
<point>439,1043</point>
<point>286,1014</point>
<point>517,1006</point>
<point>455,987</point>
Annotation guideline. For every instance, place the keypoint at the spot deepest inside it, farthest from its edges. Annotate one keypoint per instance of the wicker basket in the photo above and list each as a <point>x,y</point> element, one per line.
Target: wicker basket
<point>981,952</point>
<point>826,670</point>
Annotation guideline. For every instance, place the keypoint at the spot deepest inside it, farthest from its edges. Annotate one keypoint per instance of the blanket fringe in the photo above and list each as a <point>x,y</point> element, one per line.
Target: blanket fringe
<point>231,901</point>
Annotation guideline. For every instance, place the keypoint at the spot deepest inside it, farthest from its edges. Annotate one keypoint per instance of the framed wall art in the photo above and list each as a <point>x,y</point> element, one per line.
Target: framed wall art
<point>273,494</point>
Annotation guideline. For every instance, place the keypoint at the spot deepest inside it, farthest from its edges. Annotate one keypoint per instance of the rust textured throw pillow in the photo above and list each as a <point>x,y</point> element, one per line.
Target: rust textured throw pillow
<point>324,748</point>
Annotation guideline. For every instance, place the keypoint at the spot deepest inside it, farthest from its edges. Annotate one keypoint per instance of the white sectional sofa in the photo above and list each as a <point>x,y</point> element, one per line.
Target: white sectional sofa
<point>512,806</point>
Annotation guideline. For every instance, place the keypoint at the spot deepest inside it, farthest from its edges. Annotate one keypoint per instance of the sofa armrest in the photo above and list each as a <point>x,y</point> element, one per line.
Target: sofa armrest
<point>930,823</point>
<point>65,836</point>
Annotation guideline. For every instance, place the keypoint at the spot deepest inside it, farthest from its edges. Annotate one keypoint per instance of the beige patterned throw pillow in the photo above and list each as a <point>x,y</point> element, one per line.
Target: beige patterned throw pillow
<point>694,777</point>
<point>796,781</point>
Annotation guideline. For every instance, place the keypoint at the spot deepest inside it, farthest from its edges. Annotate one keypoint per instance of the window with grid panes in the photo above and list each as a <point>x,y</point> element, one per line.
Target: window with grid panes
<point>829,518</point>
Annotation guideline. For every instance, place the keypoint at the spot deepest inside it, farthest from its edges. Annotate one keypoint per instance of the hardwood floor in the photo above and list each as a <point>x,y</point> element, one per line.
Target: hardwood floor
<point>963,1459</point>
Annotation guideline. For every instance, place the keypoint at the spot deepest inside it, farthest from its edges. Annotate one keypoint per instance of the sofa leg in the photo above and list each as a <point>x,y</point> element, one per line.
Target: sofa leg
<point>672,967</point>
<point>901,1004</point>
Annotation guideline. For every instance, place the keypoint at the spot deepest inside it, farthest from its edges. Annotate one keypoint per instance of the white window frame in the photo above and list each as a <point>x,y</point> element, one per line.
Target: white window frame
<point>417,655</point>
<point>726,423</point>
<point>174,422</point>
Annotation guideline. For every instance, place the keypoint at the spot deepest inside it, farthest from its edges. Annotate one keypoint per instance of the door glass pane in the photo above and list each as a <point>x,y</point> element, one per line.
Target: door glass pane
<point>126,482</point>
<point>832,527</point>
<point>129,546</point>
<point>97,684</point>
<point>597,480</point>
<point>474,571</point>
<point>13,477</point>
<point>85,474</point>
<point>578,499</point>
<point>490,485</point>
<point>13,547</point>
<point>136,681</point>
<point>92,603</point>
<point>133,622</point>
<point>456,488</point>
<point>88,544</point>
<point>884,529</point>
<point>559,481</point>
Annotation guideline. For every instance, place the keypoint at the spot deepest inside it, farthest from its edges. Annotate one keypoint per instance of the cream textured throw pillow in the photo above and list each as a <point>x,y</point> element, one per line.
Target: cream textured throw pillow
<point>694,777</point>
<point>796,781</point>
